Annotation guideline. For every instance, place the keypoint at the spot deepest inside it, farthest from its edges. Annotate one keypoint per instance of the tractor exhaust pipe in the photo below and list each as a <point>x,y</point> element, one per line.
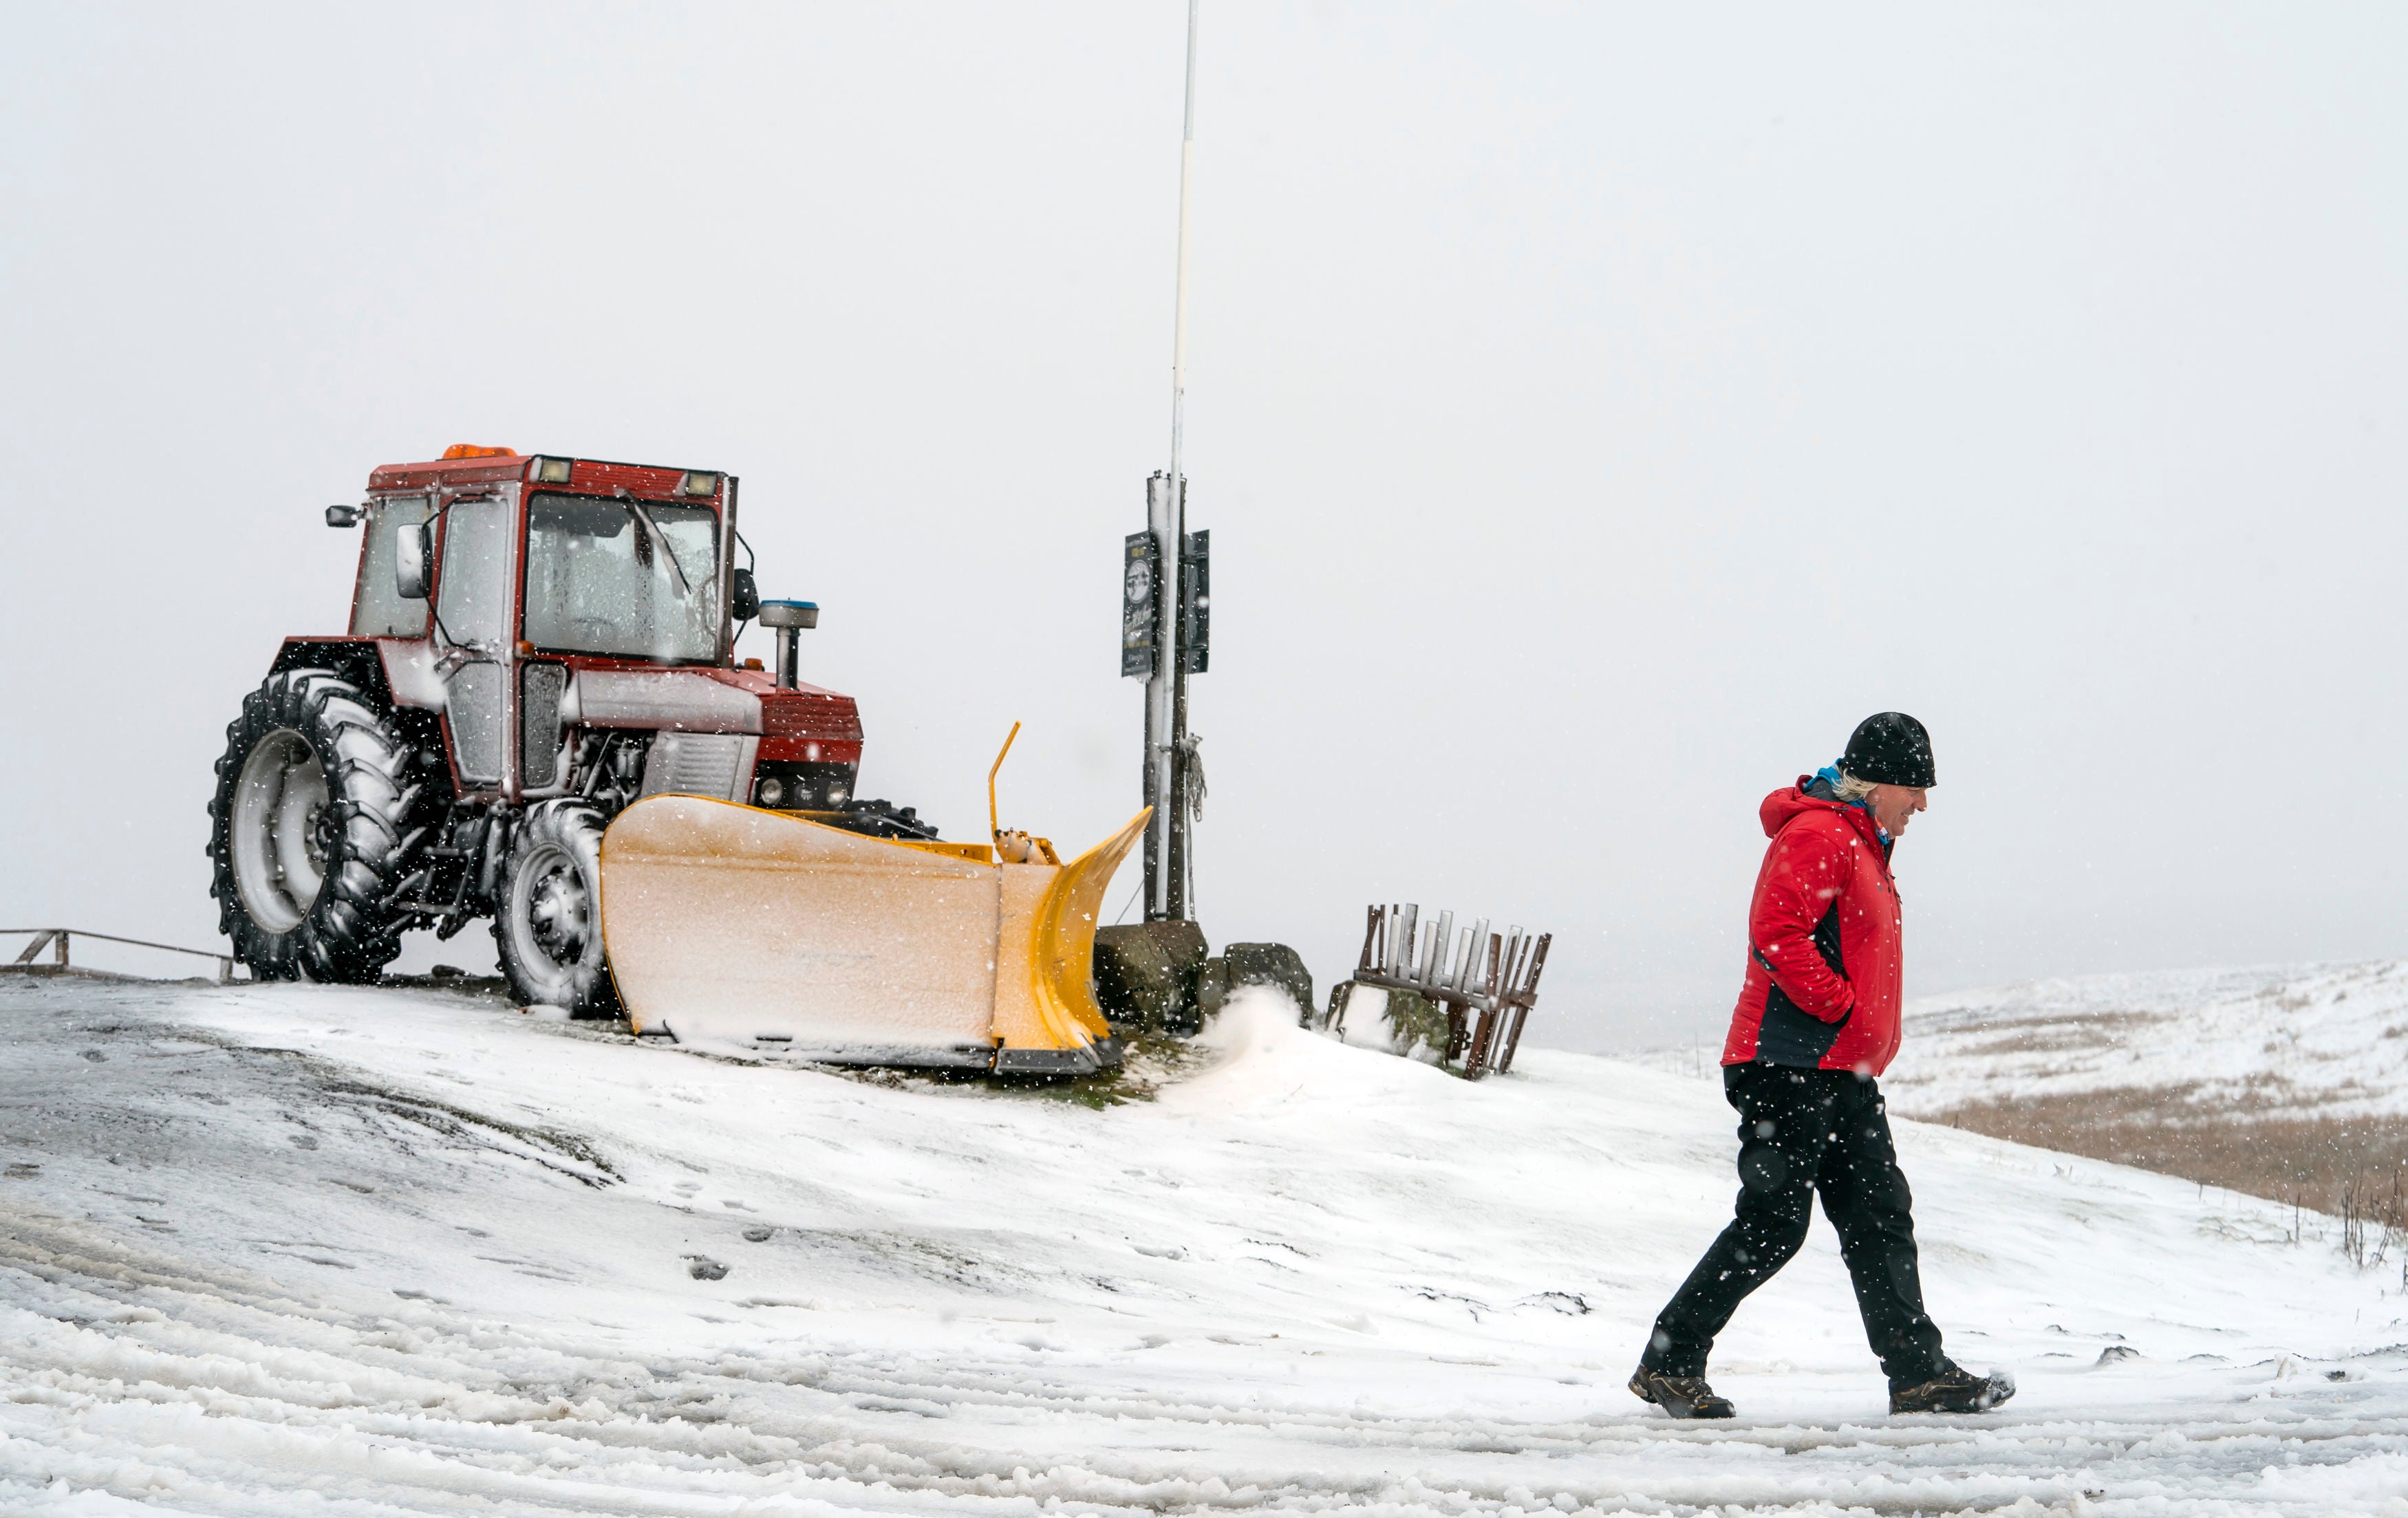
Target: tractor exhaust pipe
<point>788,619</point>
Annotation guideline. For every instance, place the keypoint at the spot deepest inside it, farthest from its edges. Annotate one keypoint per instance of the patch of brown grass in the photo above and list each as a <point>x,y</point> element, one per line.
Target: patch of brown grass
<point>2325,1163</point>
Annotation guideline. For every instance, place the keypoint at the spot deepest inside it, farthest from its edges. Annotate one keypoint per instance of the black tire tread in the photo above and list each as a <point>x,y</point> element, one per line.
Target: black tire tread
<point>349,934</point>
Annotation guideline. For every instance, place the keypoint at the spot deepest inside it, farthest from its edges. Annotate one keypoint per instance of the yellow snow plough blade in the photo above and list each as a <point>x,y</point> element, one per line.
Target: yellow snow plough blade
<point>732,926</point>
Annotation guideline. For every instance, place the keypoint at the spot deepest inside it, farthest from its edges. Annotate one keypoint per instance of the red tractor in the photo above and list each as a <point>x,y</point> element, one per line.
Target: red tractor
<point>536,643</point>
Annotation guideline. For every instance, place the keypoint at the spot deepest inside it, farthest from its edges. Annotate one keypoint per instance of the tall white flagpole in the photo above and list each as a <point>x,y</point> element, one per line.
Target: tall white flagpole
<point>1168,519</point>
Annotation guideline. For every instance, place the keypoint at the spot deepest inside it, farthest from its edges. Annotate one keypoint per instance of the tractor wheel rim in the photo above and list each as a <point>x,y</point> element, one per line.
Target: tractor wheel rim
<point>279,803</point>
<point>558,911</point>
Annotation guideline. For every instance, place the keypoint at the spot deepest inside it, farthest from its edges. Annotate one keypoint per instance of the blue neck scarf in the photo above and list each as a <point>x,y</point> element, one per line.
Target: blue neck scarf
<point>1825,787</point>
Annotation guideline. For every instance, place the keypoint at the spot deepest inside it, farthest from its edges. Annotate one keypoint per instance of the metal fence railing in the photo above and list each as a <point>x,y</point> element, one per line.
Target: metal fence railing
<point>29,961</point>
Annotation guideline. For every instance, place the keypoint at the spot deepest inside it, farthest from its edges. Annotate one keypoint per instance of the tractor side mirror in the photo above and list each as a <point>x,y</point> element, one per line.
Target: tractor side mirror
<point>747,596</point>
<point>342,516</point>
<point>413,560</point>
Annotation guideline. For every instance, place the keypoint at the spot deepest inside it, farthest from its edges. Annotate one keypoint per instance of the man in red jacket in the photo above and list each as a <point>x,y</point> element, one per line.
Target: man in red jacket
<point>1817,1020</point>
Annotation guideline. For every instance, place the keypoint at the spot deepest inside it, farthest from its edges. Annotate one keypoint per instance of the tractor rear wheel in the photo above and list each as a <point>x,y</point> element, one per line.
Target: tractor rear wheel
<point>306,830</point>
<point>548,917</point>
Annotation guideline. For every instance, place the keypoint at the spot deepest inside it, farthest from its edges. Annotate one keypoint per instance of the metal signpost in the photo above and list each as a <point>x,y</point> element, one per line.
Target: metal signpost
<point>1166,606</point>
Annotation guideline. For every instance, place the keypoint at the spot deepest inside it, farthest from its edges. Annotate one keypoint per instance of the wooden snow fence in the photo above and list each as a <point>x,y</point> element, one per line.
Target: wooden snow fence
<point>1487,981</point>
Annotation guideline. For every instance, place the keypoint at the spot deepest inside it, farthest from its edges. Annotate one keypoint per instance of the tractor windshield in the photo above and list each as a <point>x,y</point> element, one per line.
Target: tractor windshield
<point>604,578</point>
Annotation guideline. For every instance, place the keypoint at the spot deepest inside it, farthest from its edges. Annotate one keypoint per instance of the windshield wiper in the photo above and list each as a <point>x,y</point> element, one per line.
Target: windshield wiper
<point>636,508</point>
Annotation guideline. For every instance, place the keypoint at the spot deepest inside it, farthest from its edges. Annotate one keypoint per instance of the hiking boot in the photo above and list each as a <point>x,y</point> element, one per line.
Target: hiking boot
<point>1953,1390</point>
<point>1683,1397</point>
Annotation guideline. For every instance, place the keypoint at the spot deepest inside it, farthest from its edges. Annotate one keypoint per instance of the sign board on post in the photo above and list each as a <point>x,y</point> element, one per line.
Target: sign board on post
<point>1196,603</point>
<point>1140,577</point>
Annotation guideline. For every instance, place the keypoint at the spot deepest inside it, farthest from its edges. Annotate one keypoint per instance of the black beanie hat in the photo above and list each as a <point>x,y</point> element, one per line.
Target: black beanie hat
<point>1890,748</point>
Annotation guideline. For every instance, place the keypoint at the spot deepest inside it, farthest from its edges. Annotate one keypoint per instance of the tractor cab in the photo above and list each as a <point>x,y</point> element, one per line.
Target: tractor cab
<point>545,594</point>
<point>618,561</point>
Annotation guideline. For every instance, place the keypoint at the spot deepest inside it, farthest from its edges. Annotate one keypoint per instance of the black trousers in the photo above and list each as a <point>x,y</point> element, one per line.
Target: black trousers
<point>1803,1132</point>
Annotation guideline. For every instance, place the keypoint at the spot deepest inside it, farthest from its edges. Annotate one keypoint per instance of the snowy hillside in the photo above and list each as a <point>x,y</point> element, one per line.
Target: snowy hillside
<point>2322,1041</point>
<point>302,1249</point>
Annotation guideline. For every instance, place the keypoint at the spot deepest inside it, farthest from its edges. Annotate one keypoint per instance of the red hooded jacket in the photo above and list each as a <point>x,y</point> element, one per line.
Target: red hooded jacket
<point>1824,965</point>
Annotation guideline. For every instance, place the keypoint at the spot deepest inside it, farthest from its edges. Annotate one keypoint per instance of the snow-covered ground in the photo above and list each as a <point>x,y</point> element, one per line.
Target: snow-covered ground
<point>296,1250</point>
<point>2325,1040</point>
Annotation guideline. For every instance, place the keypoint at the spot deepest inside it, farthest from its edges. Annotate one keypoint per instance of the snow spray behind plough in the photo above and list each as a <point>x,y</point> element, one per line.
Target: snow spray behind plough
<point>734,925</point>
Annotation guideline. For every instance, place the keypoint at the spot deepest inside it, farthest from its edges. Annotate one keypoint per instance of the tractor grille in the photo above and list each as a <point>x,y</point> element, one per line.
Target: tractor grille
<point>810,714</point>
<point>717,764</point>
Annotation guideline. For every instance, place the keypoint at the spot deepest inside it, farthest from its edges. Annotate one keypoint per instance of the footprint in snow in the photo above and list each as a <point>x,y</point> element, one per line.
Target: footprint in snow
<point>703,1267</point>
<point>758,1235</point>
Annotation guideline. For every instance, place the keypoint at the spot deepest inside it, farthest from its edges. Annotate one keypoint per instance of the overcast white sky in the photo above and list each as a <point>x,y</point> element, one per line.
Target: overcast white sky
<point>1596,411</point>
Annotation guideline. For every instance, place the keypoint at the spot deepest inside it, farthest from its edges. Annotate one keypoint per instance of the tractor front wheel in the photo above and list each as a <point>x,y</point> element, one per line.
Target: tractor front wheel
<point>548,919</point>
<point>306,831</point>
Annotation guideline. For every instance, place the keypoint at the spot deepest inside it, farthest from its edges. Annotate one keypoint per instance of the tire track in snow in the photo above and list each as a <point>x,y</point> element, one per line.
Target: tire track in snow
<point>202,1390</point>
